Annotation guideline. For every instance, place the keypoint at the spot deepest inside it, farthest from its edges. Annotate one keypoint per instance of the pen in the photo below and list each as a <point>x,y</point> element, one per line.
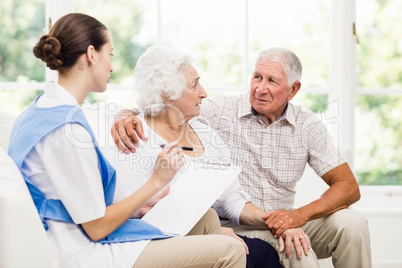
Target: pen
<point>184,148</point>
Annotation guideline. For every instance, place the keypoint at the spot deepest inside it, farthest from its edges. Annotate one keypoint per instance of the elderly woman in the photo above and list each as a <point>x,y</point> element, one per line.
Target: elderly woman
<point>169,94</point>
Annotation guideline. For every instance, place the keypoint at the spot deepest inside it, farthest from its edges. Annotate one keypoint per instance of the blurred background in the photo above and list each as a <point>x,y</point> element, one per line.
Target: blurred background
<point>225,36</point>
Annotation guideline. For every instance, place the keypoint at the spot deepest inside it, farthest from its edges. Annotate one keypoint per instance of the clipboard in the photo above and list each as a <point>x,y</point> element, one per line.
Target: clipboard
<point>193,191</point>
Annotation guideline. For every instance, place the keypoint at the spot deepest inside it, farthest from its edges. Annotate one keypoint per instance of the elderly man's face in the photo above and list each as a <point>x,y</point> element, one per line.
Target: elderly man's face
<point>269,89</point>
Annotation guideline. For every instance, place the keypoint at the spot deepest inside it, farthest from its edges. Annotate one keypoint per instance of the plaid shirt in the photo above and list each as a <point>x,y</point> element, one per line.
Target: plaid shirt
<point>273,157</point>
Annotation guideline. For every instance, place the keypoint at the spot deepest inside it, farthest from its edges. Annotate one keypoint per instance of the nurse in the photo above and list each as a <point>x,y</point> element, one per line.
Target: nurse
<point>73,185</point>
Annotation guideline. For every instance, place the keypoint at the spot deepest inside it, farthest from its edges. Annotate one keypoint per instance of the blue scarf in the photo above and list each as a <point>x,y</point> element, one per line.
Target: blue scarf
<point>33,125</point>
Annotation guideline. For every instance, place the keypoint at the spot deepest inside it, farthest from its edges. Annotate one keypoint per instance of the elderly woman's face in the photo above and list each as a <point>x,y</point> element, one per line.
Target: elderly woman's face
<point>193,93</point>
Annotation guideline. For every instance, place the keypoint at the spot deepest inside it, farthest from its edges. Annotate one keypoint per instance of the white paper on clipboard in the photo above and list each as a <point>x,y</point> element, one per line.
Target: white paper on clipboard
<point>194,190</point>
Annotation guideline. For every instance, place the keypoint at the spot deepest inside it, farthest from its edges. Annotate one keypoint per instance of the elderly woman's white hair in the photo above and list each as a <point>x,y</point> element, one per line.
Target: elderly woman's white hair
<point>160,71</point>
<point>290,62</point>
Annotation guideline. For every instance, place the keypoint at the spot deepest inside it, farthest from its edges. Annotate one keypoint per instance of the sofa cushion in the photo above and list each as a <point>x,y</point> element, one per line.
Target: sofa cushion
<point>6,125</point>
<point>24,241</point>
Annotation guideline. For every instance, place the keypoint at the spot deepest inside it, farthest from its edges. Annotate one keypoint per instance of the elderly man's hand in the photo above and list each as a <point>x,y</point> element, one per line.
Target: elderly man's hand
<point>298,238</point>
<point>280,220</point>
<point>126,131</point>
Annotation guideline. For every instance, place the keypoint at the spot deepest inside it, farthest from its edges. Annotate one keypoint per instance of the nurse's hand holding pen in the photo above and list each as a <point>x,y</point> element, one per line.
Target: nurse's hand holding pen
<point>168,163</point>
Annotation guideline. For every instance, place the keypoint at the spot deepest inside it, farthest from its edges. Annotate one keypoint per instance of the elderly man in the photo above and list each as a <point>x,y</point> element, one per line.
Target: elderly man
<point>273,140</point>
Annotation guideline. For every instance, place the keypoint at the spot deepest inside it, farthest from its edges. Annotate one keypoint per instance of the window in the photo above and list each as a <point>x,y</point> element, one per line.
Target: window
<point>304,28</point>
<point>20,25</point>
<point>225,37</point>
<point>210,30</point>
<point>132,29</point>
<point>379,104</point>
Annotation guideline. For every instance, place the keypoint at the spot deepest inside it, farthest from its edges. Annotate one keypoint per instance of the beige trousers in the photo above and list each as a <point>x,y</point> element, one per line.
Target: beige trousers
<point>204,246</point>
<point>344,235</point>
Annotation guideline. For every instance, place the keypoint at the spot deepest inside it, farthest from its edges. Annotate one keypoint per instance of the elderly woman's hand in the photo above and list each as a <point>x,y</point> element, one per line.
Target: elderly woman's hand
<point>229,232</point>
<point>126,131</point>
<point>169,162</point>
<point>150,203</point>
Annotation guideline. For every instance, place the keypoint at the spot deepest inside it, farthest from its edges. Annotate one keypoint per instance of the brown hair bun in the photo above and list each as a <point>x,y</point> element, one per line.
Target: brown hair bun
<point>48,49</point>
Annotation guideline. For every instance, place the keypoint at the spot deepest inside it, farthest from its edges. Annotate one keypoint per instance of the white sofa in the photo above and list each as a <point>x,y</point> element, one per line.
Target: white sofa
<point>23,240</point>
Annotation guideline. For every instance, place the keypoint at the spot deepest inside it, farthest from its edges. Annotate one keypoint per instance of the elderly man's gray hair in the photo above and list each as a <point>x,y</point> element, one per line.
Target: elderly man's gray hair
<point>290,62</point>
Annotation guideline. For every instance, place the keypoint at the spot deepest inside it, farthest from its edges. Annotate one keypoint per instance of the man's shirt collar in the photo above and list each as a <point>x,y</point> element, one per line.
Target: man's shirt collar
<point>245,106</point>
<point>246,109</point>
